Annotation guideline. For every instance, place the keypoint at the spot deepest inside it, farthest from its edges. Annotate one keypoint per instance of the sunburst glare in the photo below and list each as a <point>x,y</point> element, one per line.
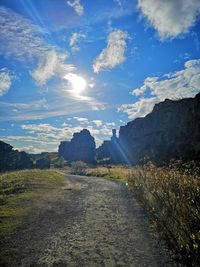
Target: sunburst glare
<point>78,83</point>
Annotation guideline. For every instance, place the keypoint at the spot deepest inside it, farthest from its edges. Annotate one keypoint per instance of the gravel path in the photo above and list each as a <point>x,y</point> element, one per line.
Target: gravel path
<point>90,222</point>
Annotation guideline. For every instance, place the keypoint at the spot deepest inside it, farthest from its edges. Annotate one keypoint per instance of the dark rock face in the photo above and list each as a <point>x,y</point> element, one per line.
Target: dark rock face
<point>110,150</point>
<point>64,149</point>
<point>80,148</point>
<point>12,159</point>
<point>170,131</point>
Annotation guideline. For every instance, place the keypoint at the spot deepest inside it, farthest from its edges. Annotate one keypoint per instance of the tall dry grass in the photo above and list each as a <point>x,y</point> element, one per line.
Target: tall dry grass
<point>116,172</point>
<point>172,195</point>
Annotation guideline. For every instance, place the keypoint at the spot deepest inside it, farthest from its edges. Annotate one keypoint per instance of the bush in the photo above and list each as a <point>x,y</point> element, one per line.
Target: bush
<point>59,162</point>
<point>43,163</point>
<point>172,195</point>
<point>78,167</point>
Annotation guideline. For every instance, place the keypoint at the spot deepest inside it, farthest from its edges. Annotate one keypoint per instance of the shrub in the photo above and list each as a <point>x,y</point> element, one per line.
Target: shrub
<point>78,167</point>
<point>59,162</point>
<point>43,163</point>
<point>172,195</point>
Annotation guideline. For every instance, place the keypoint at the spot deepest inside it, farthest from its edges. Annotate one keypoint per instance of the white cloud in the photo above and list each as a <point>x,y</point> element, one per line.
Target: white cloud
<point>5,81</point>
<point>22,40</point>
<point>51,65</point>
<point>113,54</point>
<point>74,40</point>
<point>31,149</point>
<point>98,123</point>
<point>64,124</point>
<point>110,124</point>
<point>19,37</point>
<point>61,104</point>
<point>170,18</point>
<point>81,120</point>
<point>147,83</point>
<point>77,6</point>
<point>40,104</point>
<point>180,84</point>
<point>46,137</point>
<point>140,108</point>
<point>42,127</point>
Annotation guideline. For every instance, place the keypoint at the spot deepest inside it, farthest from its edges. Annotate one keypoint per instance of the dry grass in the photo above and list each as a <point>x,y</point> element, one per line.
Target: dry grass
<point>19,191</point>
<point>172,195</point>
<point>113,172</point>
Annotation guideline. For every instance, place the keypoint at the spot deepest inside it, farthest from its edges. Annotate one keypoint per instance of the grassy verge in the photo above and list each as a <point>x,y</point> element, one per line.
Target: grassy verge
<point>18,192</point>
<point>172,196</point>
<point>112,172</point>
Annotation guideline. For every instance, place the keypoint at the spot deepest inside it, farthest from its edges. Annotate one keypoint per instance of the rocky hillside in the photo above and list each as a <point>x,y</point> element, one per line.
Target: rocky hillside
<point>13,159</point>
<point>170,131</point>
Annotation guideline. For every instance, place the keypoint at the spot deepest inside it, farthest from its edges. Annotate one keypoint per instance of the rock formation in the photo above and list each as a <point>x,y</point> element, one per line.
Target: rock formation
<point>170,131</point>
<point>13,159</point>
<point>109,151</point>
<point>80,148</point>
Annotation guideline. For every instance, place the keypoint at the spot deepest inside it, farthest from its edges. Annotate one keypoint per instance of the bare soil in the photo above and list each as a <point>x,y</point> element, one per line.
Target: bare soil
<point>88,222</point>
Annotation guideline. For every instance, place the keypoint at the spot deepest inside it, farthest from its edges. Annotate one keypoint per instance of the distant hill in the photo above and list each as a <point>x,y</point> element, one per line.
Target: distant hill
<point>170,131</point>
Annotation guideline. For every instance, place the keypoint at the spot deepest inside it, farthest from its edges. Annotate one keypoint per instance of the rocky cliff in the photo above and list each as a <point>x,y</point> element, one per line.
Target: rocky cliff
<point>170,131</point>
<point>109,151</point>
<point>81,147</point>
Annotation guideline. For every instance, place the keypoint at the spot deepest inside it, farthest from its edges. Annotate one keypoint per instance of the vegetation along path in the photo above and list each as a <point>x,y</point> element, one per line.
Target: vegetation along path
<point>86,222</point>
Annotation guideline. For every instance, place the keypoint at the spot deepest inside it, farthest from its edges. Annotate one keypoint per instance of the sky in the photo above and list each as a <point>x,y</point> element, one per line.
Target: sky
<point>66,65</point>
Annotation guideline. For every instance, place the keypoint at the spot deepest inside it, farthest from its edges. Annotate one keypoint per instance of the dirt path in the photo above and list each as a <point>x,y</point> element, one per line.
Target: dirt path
<point>89,222</point>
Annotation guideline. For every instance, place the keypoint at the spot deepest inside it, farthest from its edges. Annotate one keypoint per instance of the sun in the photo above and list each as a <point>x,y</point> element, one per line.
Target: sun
<point>78,83</point>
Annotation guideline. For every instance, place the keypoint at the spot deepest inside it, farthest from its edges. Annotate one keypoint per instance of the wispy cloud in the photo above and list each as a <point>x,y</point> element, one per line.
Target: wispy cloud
<point>180,84</point>
<point>140,108</point>
<point>98,123</point>
<point>119,2</point>
<point>5,81</point>
<point>170,18</point>
<point>77,6</point>
<point>40,137</point>
<point>19,37</point>
<point>74,41</point>
<point>22,40</point>
<point>50,66</point>
<point>81,120</point>
<point>62,104</point>
<point>113,54</point>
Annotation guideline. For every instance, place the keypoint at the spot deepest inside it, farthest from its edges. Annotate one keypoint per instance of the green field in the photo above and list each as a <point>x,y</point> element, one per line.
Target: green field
<point>20,191</point>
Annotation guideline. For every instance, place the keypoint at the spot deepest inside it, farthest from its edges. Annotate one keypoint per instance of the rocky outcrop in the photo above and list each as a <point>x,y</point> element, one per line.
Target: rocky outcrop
<point>109,151</point>
<point>64,149</point>
<point>80,148</point>
<point>13,159</point>
<point>170,131</point>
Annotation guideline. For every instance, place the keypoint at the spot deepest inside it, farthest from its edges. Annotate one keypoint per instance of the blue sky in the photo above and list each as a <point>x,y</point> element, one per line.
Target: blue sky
<point>73,64</point>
